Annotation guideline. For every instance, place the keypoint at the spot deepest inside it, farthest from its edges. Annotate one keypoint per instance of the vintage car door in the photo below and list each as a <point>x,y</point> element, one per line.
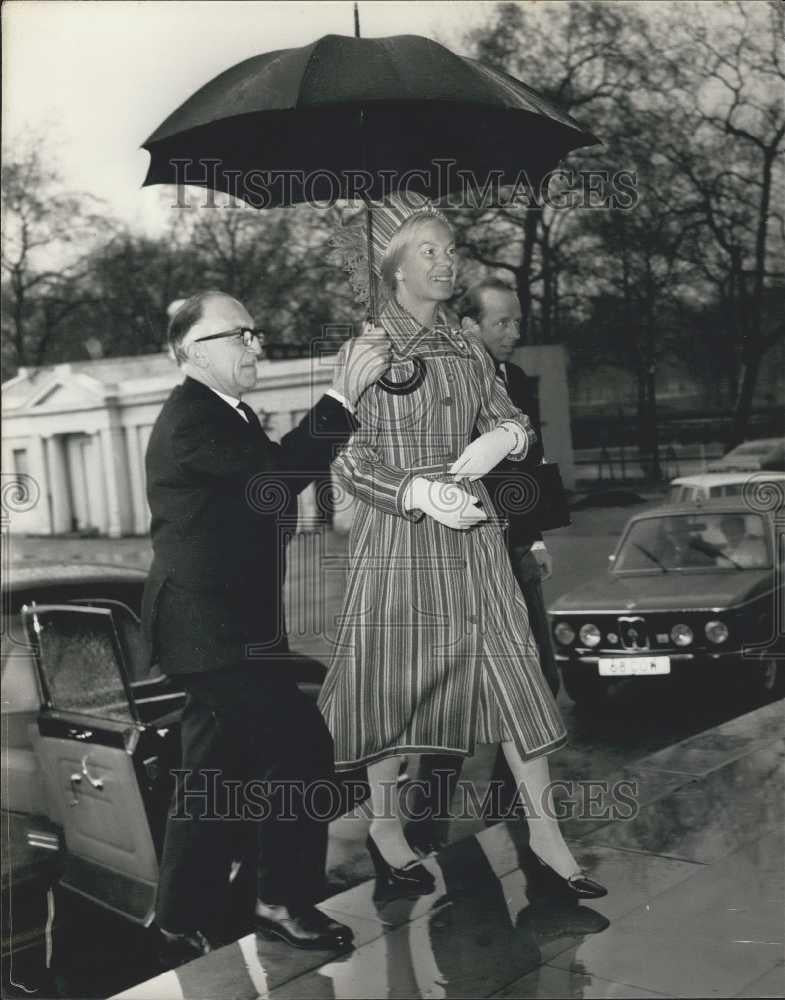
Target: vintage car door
<point>100,762</point>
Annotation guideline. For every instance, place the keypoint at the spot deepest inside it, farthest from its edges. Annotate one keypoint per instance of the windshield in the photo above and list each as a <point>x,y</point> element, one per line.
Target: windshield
<point>695,541</point>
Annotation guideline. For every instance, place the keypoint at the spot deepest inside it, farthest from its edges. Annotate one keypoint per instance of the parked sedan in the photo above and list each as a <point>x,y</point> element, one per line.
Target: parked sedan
<point>90,737</point>
<point>88,741</point>
<point>711,485</point>
<point>691,587</point>
<point>762,453</point>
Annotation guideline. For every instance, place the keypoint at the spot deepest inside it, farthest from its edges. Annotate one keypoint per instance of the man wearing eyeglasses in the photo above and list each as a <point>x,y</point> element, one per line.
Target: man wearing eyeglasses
<point>491,312</point>
<point>223,499</point>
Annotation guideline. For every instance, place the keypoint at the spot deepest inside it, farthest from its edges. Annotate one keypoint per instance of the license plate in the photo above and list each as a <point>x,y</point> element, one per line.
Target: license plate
<point>623,666</point>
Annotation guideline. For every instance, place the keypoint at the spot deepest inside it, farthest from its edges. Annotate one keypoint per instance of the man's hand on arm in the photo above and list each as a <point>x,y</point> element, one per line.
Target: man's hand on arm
<point>360,362</point>
<point>544,559</point>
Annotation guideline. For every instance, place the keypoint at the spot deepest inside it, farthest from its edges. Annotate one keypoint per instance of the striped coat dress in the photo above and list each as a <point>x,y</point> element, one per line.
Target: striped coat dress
<point>433,650</point>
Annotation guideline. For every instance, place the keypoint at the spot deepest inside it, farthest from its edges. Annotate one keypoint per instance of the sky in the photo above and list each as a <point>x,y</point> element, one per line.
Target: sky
<point>95,78</point>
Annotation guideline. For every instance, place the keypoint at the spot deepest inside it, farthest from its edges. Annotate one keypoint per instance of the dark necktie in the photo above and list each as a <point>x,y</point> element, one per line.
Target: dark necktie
<point>251,417</point>
<point>501,375</point>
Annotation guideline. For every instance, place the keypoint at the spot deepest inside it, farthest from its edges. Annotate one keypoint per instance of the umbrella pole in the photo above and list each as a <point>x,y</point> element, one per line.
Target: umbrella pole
<point>369,215</point>
<point>371,280</point>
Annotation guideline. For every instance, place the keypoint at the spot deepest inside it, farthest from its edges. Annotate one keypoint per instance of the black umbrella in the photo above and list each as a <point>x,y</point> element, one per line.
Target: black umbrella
<point>359,118</point>
<point>321,113</point>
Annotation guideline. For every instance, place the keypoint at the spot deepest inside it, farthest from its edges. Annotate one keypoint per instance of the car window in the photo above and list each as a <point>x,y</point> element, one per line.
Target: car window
<point>699,541</point>
<point>80,661</point>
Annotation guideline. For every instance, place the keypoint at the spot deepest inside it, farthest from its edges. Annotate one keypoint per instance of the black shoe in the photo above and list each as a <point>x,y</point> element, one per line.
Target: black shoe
<point>309,929</point>
<point>315,919</point>
<point>427,836</point>
<point>177,949</point>
<point>411,880</point>
<point>543,880</point>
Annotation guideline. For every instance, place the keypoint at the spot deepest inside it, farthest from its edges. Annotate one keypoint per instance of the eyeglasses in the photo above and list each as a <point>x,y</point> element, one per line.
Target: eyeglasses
<point>248,334</point>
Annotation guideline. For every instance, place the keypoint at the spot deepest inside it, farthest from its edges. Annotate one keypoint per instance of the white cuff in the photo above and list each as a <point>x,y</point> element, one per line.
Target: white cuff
<point>341,399</point>
<point>521,440</point>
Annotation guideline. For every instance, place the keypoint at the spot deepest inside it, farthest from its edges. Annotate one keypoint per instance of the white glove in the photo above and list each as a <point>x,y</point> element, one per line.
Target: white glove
<point>445,502</point>
<point>483,454</point>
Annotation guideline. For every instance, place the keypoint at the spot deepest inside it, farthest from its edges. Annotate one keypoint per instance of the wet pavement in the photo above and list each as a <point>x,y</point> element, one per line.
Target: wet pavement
<point>685,819</point>
<point>694,909</point>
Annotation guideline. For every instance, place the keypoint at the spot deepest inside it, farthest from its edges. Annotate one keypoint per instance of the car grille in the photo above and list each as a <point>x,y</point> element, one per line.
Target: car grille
<point>633,633</point>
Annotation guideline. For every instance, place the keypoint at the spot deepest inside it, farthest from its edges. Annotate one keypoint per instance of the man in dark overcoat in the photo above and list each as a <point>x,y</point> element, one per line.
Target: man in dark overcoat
<point>223,499</point>
<point>490,310</point>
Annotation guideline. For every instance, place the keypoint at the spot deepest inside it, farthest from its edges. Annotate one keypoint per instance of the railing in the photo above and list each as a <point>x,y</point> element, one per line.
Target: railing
<point>623,463</point>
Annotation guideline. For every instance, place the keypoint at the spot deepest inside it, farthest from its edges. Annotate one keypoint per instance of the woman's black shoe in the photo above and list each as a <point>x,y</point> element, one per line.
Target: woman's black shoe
<point>411,880</point>
<point>545,881</point>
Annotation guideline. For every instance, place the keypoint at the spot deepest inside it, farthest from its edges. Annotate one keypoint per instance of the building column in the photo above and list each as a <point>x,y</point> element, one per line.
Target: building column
<point>116,478</point>
<point>141,518</point>
<point>58,485</point>
<point>96,488</point>
<point>37,459</point>
<point>74,448</point>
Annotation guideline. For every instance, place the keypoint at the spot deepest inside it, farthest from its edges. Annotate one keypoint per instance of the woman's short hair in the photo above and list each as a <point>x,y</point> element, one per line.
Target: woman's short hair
<point>398,246</point>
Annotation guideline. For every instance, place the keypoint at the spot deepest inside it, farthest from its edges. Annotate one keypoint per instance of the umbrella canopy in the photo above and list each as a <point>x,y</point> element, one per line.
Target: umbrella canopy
<point>312,118</point>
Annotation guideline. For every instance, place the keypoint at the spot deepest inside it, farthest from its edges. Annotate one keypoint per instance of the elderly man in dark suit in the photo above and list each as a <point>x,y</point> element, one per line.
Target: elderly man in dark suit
<point>491,312</point>
<point>223,497</point>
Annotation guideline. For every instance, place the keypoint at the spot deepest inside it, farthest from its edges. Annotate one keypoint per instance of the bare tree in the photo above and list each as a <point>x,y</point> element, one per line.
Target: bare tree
<point>733,109</point>
<point>46,237</point>
<point>583,56</point>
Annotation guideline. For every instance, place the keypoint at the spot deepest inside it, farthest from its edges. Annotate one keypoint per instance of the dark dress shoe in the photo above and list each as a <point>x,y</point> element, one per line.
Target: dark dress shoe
<point>411,880</point>
<point>309,929</point>
<point>544,881</point>
<point>314,918</point>
<point>177,949</point>
<point>427,836</point>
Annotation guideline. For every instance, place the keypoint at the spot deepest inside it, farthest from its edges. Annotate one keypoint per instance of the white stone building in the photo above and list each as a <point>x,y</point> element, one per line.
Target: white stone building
<point>75,434</point>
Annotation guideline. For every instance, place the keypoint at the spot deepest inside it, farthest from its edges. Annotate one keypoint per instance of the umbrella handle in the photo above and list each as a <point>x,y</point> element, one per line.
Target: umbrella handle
<point>371,280</point>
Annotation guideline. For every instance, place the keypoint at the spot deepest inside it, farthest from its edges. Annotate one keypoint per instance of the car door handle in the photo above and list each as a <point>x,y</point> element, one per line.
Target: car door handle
<point>76,779</point>
<point>80,734</point>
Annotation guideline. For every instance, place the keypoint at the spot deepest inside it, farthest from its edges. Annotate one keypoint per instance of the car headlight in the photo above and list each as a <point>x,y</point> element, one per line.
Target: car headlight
<point>590,635</point>
<point>564,633</point>
<point>681,635</point>
<point>716,631</point>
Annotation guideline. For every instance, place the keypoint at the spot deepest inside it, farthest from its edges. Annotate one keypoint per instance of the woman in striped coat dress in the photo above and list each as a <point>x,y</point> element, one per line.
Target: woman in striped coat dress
<point>433,651</point>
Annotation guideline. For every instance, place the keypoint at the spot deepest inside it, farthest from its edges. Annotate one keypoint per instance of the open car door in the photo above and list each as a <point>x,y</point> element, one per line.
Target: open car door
<point>106,770</point>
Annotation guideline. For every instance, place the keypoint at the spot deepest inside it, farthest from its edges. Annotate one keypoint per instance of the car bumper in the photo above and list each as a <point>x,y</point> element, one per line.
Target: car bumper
<point>679,661</point>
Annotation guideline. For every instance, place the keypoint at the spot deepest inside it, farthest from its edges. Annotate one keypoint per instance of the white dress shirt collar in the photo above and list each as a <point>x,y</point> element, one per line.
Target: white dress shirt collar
<point>231,400</point>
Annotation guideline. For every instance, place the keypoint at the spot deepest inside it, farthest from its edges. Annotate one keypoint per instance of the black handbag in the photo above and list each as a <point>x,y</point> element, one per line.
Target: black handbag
<point>531,500</point>
<point>551,509</point>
